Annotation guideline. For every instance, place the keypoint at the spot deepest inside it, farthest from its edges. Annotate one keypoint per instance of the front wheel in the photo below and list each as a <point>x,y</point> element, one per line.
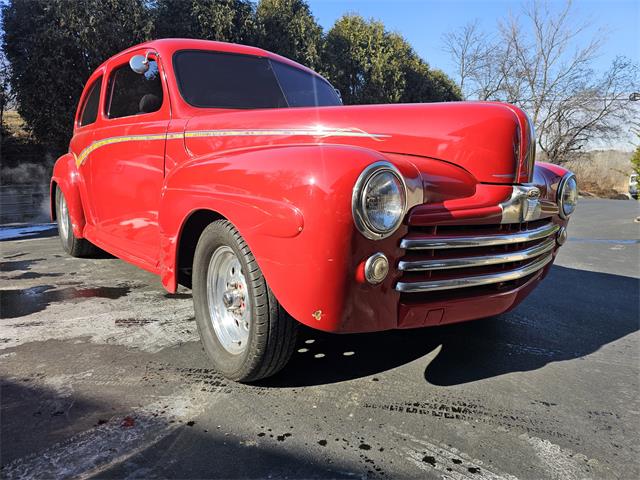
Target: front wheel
<point>244,329</point>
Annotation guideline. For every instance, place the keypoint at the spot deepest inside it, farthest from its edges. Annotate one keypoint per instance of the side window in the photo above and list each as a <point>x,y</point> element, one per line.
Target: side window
<point>90,108</point>
<point>303,89</point>
<point>130,93</point>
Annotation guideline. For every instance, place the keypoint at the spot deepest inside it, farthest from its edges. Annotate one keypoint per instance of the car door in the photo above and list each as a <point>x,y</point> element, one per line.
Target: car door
<point>127,163</point>
<point>87,116</point>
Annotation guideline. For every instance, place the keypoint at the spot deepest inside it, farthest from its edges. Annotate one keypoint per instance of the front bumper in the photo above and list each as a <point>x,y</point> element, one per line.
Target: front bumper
<point>451,265</point>
<point>457,273</point>
<point>469,306</point>
<point>443,274</point>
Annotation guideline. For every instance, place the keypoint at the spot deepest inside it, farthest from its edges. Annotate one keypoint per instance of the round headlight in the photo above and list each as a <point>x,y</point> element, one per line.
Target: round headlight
<point>567,195</point>
<point>379,200</point>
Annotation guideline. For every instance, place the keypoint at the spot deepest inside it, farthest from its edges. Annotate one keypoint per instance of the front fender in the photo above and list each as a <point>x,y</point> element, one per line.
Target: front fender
<point>292,205</point>
<point>66,177</point>
<point>547,176</point>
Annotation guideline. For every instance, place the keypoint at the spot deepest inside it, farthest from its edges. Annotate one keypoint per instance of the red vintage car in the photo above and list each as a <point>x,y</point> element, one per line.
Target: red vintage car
<point>239,174</point>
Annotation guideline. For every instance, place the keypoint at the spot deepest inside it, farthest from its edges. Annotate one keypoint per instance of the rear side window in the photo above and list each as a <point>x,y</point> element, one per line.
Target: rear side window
<point>130,93</point>
<point>90,108</point>
<point>222,80</point>
<point>303,89</point>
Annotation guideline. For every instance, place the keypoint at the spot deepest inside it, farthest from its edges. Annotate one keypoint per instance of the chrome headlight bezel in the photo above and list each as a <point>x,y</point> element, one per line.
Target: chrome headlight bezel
<point>560,194</point>
<point>358,207</point>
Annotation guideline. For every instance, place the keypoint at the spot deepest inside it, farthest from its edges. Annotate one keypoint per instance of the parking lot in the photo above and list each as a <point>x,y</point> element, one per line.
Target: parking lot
<point>103,375</point>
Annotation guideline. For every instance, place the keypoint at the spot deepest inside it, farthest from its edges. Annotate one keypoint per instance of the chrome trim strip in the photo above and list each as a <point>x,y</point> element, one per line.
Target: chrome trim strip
<point>530,154</point>
<point>452,241</point>
<point>475,281</point>
<point>480,261</point>
<point>549,208</point>
<point>287,132</point>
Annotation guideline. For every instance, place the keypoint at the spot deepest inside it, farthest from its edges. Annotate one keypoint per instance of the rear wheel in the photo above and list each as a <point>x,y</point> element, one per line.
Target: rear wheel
<point>74,246</point>
<point>244,330</point>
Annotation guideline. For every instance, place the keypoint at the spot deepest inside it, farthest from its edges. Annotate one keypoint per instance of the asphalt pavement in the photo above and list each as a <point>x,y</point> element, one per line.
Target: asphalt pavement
<point>102,375</point>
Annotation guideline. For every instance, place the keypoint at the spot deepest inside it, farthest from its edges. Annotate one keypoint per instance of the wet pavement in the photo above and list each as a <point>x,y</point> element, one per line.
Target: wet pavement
<point>102,375</point>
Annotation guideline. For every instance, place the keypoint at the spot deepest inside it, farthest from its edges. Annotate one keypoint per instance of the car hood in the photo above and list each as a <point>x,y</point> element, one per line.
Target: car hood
<point>490,140</point>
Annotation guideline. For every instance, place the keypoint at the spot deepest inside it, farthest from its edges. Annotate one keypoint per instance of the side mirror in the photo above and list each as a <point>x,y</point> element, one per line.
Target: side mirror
<point>139,64</point>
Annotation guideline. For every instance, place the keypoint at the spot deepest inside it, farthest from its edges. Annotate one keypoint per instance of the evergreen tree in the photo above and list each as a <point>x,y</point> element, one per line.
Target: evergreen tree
<point>371,65</point>
<point>222,20</point>
<point>287,27</point>
<point>53,47</point>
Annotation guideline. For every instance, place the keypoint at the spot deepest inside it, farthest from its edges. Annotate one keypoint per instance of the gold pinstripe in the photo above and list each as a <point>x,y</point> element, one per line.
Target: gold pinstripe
<point>113,140</point>
<point>313,132</point>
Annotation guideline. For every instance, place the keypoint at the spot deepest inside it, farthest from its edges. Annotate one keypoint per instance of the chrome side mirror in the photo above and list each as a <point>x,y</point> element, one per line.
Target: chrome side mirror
<point>139,63</point>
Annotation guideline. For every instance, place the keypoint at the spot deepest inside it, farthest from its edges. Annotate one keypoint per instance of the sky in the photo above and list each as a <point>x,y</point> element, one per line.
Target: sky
<point>423,22</point>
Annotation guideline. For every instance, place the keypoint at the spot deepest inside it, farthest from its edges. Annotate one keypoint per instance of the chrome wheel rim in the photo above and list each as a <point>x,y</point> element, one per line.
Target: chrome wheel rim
<point>63,216</point>
<point>228,300</point>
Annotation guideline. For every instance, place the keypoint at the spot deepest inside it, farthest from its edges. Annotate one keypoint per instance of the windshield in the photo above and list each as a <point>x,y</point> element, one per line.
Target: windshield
<point>223,80</point>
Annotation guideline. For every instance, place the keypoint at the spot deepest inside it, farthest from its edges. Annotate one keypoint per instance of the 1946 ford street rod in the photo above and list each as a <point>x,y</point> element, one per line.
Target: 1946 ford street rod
<point>239,174</point>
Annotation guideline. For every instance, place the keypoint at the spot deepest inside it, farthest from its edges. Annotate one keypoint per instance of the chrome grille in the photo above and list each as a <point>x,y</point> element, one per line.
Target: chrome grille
<point>453,257</point>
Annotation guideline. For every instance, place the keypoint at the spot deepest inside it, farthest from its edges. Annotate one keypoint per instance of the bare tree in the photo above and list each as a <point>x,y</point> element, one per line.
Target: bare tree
<point>598,110</point>
<point>540,62</point>
<point>468,48</point>
<point>480,68</point>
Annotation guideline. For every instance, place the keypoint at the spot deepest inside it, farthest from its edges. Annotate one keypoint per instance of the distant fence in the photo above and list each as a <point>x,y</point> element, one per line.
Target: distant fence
<point>24,203</point>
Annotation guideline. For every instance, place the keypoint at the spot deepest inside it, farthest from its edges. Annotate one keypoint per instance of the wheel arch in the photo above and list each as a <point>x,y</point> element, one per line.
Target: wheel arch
<point>188,236</point>
<point>65,177</point>
<point>52,201</point>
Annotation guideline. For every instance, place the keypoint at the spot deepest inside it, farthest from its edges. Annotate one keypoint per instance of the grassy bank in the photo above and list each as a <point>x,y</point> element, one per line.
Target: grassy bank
<point>602,173</point>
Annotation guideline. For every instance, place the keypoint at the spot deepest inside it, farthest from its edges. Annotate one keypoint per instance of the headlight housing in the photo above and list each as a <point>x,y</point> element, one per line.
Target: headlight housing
<point>567,195</point>
<point>379,200</point>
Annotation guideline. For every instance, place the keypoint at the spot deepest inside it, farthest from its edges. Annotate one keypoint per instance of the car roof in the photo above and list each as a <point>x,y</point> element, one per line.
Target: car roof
<point>168,46</point>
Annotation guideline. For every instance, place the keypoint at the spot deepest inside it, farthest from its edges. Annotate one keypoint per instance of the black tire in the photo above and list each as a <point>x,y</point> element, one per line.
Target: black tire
<point>272,332</point>
<point>74,246</point>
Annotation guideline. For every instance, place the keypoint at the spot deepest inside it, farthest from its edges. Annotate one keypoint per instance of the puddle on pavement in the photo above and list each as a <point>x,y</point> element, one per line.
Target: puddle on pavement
<point>18,265</point>
<point>18,303</point>
<point>32,276</point>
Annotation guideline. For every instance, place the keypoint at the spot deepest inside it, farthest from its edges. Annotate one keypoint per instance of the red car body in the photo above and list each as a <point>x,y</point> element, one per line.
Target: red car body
<point>140,187</point>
